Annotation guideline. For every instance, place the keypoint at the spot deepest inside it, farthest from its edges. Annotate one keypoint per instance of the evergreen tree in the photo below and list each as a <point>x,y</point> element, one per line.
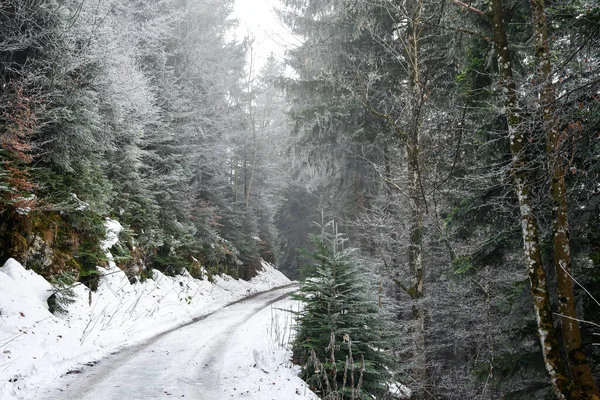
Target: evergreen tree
<point>295,220</point>
<point>344,341</point>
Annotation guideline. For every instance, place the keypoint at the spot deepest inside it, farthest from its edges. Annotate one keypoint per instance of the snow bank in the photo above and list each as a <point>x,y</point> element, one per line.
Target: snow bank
<point>268,374</point>
<point>36,347</point>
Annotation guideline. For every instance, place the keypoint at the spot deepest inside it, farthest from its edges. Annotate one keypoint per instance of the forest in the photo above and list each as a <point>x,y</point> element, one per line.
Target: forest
<point>429,170</point>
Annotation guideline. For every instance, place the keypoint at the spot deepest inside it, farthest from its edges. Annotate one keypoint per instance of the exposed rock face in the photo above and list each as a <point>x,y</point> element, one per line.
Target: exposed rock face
<point>39,253</point>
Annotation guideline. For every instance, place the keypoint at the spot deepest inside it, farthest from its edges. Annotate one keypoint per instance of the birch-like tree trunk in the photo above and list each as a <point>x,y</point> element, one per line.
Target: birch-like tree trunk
<point>578,364</point>
<point>537,277</point>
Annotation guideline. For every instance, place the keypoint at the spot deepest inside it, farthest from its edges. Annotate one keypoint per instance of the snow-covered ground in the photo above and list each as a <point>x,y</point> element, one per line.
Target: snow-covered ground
<point>237,352</point>
<point>37,348</point>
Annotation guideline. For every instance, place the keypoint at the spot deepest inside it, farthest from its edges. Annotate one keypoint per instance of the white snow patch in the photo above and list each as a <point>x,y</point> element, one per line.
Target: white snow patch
<point>81,205</point>
<point>269,374</point>
<point>399,391</point>
<point>113,228</point>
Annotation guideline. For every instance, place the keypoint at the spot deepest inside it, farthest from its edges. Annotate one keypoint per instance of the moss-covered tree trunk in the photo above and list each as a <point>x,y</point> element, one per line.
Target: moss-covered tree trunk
<point>550,347</point>
<point>578,364</point>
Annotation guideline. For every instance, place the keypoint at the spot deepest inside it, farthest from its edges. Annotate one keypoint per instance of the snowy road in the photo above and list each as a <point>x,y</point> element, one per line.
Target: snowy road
<point>232,353</point>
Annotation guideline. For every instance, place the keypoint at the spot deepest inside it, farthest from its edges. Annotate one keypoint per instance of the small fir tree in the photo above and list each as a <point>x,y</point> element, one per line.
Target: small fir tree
<point>344,338</point>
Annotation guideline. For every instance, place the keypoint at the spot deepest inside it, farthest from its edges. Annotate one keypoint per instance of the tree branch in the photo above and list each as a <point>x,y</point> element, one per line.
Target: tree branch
<point>468,7</point>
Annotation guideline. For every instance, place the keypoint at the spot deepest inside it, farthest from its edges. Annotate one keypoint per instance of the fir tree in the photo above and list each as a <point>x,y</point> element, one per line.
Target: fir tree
<point>343,339</point>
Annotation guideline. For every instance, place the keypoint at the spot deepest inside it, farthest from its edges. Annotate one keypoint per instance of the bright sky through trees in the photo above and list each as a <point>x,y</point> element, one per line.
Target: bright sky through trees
<point>258,20</point>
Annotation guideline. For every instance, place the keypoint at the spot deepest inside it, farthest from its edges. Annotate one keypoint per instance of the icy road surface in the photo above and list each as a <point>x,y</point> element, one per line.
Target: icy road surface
<point>236,352</point>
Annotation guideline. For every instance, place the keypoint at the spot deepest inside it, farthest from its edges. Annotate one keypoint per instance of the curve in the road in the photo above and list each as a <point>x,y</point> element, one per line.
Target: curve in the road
<point>182,363</point>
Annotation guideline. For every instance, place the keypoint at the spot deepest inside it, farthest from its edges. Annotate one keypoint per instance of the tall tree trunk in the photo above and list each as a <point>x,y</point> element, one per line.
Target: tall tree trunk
<point>413,134</point>
<point>235,174</point>
<point>251,117</point>
<point>578,364</point>
<point>245,170</point>
<point>254,153</point>
<point>410,138</point>
<point>537,277</point>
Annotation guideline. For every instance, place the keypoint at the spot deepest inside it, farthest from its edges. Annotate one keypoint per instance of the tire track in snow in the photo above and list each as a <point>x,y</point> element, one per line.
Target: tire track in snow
<point>211,382</point>
<point>180,363</point>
